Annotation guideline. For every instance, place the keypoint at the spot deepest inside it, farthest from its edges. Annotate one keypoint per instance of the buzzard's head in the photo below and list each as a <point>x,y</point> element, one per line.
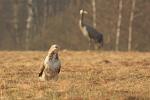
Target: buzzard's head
<point>54,49</point>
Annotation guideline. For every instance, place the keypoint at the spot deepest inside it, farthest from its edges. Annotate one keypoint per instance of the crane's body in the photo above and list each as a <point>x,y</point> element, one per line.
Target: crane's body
<point>90,32</point>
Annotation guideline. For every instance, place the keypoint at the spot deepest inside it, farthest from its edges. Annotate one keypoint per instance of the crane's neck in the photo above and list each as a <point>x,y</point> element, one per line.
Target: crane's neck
<point>83,26</point>
<point>81,19</point>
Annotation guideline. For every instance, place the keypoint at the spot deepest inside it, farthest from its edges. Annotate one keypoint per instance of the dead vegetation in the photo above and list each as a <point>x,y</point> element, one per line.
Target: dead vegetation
<point>88,75</point>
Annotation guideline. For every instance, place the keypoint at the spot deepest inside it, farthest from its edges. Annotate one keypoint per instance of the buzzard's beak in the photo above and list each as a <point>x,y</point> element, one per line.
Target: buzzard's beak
<point>54,49</point>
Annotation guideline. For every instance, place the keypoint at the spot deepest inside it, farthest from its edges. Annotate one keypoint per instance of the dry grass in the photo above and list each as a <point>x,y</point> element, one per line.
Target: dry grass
<point>84,76</point>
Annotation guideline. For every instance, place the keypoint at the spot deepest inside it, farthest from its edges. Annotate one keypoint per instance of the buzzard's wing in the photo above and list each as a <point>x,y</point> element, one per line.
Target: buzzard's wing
<point>41,69</point>
<point>59,67</point>
<point>58,70</point>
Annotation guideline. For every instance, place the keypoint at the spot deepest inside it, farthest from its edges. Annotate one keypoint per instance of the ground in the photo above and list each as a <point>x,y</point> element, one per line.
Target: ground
<point>85,75</point>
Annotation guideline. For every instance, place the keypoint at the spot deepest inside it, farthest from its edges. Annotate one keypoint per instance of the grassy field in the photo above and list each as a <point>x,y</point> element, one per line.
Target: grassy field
<point>85,75</point>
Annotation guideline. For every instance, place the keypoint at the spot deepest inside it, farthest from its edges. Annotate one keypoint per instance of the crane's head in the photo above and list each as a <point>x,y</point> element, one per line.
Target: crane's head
<point>54,49</point>
<point>83,11</point>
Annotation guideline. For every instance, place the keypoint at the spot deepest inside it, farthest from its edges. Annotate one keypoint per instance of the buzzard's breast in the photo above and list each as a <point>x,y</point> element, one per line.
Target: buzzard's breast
<point>55,65</point>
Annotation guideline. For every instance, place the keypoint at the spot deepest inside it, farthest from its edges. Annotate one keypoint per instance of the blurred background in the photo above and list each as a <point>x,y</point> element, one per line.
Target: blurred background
<point>36,24</point>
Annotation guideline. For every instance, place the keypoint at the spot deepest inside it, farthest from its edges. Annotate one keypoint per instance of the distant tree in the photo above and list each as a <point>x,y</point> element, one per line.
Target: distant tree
<point>45,13</point>
<point>119,24</point>
<point>1,34</point>
<point>94,13</point>
<point>130,25</point>
<point>29,22</point>
<point>15,22</point>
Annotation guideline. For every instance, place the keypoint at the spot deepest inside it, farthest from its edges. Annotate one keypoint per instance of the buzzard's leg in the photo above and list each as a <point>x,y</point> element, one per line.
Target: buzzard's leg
<point>55,78</point>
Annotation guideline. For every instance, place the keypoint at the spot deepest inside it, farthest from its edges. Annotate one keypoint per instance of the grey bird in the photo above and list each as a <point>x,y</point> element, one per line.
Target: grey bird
<point>89,32</point>
<point>51,66</point>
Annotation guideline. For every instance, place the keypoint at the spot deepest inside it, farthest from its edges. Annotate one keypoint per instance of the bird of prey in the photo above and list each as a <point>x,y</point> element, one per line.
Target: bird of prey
<point>50,67</point>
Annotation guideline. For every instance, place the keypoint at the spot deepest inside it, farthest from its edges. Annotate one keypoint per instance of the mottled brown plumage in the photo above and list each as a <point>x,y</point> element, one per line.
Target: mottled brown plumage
<point>50,68</point>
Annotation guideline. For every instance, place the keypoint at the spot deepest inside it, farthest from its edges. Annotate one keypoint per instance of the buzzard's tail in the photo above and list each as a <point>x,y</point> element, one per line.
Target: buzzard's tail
<point>41,70</point>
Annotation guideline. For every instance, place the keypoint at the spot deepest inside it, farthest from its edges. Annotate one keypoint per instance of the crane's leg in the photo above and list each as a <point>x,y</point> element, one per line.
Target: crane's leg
<point>96,46</point>
<point>90,43</point>
<point>100,45</point>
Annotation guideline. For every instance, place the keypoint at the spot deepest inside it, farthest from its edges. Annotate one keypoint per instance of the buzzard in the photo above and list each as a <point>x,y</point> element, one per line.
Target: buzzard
<point>50,67</point>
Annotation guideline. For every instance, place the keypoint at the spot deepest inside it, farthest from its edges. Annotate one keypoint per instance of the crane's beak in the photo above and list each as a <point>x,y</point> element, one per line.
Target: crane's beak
<point>85,12</point>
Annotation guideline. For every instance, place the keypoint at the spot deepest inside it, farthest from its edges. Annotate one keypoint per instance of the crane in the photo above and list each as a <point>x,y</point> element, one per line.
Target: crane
<point>89,32</point>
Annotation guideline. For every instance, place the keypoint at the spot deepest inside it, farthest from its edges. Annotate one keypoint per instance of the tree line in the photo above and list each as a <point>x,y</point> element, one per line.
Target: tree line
<point>36,24</point>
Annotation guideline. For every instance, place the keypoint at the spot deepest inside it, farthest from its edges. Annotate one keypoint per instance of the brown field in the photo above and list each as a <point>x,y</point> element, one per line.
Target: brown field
<point>85,75</point>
